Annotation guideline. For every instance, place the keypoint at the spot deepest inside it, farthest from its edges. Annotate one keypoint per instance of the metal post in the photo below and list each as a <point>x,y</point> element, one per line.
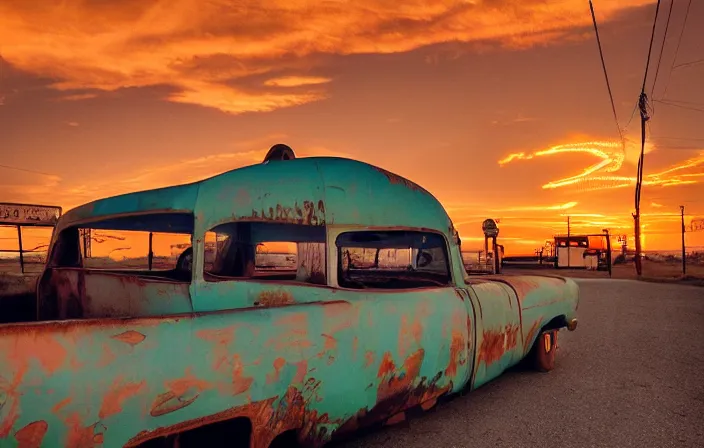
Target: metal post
<point>497,266</point>
<point>608,251</point>
<point>89,245</point>
<point>84,234</point>
<point>556,252</point>
<point>684,254</point>
<point>19,236</point>
<point>151,254</point>
<point>569,245</point>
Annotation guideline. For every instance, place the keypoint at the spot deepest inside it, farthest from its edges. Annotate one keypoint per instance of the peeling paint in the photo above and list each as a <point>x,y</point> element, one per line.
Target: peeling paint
<point>274,298</point>
<point>119,392</point>
<point>395,179</point>
<point>32,435</point>
<point>310,213</point>
<point>130,337</point>
<point>496,343</point>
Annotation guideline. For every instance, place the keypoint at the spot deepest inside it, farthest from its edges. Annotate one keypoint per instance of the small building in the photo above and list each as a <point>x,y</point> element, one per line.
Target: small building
<point>591,251</point>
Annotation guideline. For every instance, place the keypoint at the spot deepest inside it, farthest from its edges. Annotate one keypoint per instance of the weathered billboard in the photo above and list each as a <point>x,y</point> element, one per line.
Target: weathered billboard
<point>29,215</point>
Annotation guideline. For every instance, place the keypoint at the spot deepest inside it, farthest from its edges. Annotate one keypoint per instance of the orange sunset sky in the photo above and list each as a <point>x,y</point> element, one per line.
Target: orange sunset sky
<point>498,107</point>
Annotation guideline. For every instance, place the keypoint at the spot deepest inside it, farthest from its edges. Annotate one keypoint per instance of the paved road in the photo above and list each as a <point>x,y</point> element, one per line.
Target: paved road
<point>632,375</point>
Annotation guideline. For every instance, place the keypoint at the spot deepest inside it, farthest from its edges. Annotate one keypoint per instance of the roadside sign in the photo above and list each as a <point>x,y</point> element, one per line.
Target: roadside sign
<point>29,215</point>
<point>490,228</point>
<point>26,215</point>
<point>696,225</point>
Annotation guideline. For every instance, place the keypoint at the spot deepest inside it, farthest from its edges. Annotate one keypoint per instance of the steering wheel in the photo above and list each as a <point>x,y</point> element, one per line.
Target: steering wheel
<point>423,259</point>
<point>185,260</point>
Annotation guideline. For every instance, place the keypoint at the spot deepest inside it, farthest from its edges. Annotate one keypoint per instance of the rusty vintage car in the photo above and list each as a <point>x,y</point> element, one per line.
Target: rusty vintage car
<point>374,315</point>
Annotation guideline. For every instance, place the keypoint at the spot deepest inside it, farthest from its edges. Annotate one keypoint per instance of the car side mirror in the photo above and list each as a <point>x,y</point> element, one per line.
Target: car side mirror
<point>456,238</point>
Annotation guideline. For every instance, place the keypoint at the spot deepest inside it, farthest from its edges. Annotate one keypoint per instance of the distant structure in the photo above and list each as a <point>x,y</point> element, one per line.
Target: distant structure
<point>491,232</point>
<point>623,242</point>
<point>588,251</point>
<point>490,260</point>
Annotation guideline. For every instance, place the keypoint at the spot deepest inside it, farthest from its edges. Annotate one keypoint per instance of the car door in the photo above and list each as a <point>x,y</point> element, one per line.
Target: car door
<point>414,339</point>
<point>499,333</point>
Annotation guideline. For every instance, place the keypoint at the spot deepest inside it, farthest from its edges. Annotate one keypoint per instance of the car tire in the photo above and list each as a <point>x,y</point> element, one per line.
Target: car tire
<point>544,351</point>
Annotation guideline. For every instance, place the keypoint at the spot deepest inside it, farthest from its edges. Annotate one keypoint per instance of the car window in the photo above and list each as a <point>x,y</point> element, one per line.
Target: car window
<point>392,260</point>
<point>265,251</point>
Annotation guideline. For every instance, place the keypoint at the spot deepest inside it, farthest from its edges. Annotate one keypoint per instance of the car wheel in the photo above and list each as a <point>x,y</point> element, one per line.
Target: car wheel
<point>544,351</point>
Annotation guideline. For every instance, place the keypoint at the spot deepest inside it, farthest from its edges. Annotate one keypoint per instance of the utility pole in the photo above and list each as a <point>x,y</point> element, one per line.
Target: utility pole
<point>644,117</point>
<point>684,254</point>
<point>642,105</point>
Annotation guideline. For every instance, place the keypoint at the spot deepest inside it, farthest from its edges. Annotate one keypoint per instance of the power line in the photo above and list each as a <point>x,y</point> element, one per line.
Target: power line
<point>25,170</point>
<point>662,47</point>
<point>661,198</point>
<point>692,103</point>
<point>677,138</point>
<point>677,49</point>
<point>682,106</point>
<point>633,114</point>
<point>606,76</point>
<point>650,48</point>
<point>687,64</point>
<point>686,148</point>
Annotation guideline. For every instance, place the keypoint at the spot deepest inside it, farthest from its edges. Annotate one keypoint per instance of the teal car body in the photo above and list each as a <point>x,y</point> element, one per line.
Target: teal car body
<point>138,358</point>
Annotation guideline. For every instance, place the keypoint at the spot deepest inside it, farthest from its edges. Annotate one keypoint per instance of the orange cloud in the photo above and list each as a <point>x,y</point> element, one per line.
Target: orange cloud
<point>79,97</point>
<point>529,208</point>
<point>206,49</point>
<point>463,207</point>
<point>28,186</point>
<point>603,174</point>
<point>295,81</point>
<point>52,189</point>
<point>236,101</point>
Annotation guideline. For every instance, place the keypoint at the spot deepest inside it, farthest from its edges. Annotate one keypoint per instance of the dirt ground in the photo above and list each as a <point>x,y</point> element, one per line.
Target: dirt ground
<point>652,271</point>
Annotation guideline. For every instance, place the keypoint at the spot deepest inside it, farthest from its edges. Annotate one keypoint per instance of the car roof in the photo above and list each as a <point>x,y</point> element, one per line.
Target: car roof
<point>310,191</point>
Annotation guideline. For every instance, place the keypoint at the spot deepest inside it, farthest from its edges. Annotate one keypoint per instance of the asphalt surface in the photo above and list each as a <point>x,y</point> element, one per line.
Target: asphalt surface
<point>632,375</point>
